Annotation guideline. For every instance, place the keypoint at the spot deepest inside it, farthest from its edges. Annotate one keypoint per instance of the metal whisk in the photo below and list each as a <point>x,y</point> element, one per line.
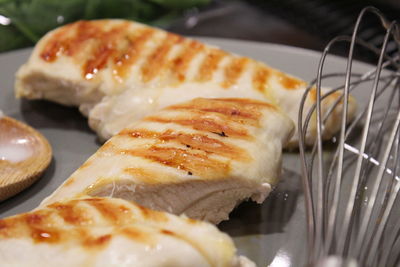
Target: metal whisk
<point>351,184</point>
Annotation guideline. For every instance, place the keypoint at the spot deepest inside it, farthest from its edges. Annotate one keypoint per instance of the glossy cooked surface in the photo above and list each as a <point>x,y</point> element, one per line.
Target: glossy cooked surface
<point>249,223</point>
<point>97,45</point>
<point>207,146</point>
<point>110,232</point>
<point>120,71</point>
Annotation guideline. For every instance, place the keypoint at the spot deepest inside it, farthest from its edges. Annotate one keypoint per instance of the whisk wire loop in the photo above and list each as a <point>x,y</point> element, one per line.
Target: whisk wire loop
<point>349,205</point>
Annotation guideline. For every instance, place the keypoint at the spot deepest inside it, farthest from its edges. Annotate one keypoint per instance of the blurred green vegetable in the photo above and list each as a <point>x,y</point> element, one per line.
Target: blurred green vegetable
<point>25,21</point>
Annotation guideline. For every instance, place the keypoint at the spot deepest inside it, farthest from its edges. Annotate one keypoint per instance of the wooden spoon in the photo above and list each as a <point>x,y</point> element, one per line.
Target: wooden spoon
<point>24,155</point>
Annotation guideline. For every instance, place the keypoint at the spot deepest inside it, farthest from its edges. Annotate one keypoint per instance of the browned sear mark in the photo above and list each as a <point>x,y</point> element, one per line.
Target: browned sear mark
<point>206,125</point>
<point>183,160</point>
<point>210,64</point>
<point>40,235</point>
<point>43,226</point>
<point>167,232</point>
<point>153,215</point>
<point>290,82</point>
<point>108,211</point>
<point>260,78</point>
<point>137,235</point>
<point>150,176</point>
<point>180,64</point>
<point>233,71</point>
<point>98,46</point>
<point>192,141</point>
<point>70,213</point>
<point>156,62</point>
<point>131,52</point>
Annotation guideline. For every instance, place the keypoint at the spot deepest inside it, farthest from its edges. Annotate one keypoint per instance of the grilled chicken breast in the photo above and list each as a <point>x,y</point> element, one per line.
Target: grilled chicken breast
<point>111,232</point>
<point>200,158</point>
<point>119,71</point>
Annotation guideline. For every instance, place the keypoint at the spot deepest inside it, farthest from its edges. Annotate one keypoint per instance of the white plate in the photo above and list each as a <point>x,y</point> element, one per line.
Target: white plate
<point>272,233</point>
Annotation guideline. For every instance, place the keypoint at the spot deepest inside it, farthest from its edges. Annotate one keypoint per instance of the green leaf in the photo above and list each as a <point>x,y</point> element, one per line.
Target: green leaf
<point>11,38</point>
<point>31,19</point>
<point>135,9</point>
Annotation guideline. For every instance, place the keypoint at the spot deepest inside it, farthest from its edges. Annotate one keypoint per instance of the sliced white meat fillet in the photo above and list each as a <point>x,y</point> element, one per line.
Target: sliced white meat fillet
<point>100,232</point>
<point>200,158</point>
<point>118,71</point>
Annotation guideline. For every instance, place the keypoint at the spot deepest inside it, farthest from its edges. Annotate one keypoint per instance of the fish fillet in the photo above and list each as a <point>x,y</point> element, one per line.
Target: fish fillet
<point>200,158</point>
<point>100,232</point>
<point>119,71</point>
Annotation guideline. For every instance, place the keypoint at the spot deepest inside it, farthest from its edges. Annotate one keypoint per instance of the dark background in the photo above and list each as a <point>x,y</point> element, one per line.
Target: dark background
<point>308,24</point>
<point>302,23</point>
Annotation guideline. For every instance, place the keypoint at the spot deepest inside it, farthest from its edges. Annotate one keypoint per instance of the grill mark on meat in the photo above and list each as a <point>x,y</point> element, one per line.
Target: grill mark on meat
<point>191,141</point>
<point>210,64</point>
<point>3,225</point>
<point>97,242</point>
<point>313,95</point>
<point>139,133</point>
<point>85,165</point>
<point>71,213</point>
<point>137,235</point>
<point>40,228</point>
<point>107,210</point>
<point>98,46</point>
<point>152,215</point>
<point>86,34</point>
<point>289,83</point>
<point>244,102</point>
<point>70,181</point>
<point>181,63</point>
<point>233,71</point>
<point>57,45</point>
<point>34,218</point>
<point>167,232</point>
<point>231,114</point>
<point>40,225</point>
<point>198,163</point>
<point>69,39</point>
<point>192,221</point>
<point>103,45</point>
<point>147,176</point>
<point>41,235</point>
<point>260,78</point>
<point>205,124</point>
<point>189,242</point>
<point>230,111</point>
<point>206,144</point>
<point>104,49</point>
<point>5,229</point>
<point>132,52</point>
<point>156,62</point>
